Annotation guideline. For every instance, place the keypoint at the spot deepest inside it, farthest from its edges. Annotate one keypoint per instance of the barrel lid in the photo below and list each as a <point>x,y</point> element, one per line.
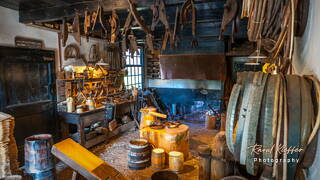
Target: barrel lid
<point>204,149</point>
<point>39,137</point>
<point>4,116</point>
<point>158,150</point>
<point>175,153</point>
<point>138,143</point>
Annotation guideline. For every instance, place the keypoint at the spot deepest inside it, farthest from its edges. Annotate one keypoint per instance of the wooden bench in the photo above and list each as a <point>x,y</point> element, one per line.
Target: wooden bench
<point>84,162</point>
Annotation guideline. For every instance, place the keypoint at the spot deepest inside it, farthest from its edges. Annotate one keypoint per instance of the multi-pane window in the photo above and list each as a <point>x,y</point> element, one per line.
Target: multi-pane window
<point>134,66</point>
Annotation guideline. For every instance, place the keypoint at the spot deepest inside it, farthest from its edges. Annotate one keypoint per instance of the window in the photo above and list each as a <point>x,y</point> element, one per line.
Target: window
<point>134,67</point>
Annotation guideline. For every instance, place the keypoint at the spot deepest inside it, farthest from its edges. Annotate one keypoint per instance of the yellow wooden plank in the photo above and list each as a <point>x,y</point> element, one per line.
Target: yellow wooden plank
<point>82,160</point>
<point>79,154</point>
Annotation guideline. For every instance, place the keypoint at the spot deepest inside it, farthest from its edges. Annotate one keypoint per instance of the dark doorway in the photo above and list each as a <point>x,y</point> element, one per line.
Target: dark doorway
<point>27,84</point>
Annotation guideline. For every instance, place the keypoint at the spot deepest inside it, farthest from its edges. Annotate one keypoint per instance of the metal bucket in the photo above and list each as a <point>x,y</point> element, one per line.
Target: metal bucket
<point>38,157</point>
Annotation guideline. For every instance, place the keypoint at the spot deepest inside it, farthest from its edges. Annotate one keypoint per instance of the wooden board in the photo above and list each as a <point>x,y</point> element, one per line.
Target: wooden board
<point>83,161</point>
<point>193,66</point>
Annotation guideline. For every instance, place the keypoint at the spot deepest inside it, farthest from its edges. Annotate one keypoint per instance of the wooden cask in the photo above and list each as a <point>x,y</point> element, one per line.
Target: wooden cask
<point>139,154</point>
<point>158,158</point>
<point>211,122</point>
<point>176,161</point>
<point>204,162</point>
<point>219,166</point>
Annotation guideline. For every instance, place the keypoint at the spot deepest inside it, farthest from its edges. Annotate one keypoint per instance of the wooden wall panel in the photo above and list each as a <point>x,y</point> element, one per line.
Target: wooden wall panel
<point>193,66</point>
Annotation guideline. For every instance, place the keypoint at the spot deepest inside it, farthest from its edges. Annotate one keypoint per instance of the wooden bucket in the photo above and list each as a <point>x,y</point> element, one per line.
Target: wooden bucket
<point>38,156</point>
<point>158,158</point>
<point>139,154</point>
<point>176,160</point>
<point>211,122</point>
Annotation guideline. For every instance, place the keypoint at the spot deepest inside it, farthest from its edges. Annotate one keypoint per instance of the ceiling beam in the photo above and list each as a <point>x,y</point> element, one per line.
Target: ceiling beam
<point>58,12</point>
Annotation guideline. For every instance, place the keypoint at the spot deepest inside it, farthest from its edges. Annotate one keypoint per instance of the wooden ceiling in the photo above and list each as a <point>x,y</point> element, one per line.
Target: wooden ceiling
<point>209,12</point>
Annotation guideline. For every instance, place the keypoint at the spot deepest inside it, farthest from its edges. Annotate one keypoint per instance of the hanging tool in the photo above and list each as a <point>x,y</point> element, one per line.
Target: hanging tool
<point>64,31</point>
<point>159,14</point>
<point>185,9</point>
<point>76,28</point>
<point>140,22</point>
<point>99,15</point>
<point>176,27</point>
<point>125,31</point>
<point>229,14</point>
<point>114,22</point>
<point>87,24</point>
<point>133,45</point>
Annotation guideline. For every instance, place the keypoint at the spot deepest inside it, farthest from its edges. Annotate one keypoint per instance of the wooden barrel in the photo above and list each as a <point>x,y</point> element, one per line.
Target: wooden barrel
<point>158,158</point>
<point>176,160</point>
<point>204,162</point>
<point>211,122</point>
<point>38,156</point>
<point>164,175</point>
<point>219,166</point>
<point>139,154</point>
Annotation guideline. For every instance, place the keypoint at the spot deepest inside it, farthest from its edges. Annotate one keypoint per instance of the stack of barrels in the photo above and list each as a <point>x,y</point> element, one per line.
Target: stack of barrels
<point>8,148</point>
<point>39,162</point>
<point>272,113</point>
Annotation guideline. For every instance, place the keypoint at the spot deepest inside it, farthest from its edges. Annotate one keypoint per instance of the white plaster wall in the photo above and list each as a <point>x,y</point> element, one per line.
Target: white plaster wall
<point>10,28</point>
<point>306,60</point>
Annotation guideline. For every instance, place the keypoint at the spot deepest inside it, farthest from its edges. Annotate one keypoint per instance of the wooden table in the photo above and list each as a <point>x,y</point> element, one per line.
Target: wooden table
<point>83,120</point>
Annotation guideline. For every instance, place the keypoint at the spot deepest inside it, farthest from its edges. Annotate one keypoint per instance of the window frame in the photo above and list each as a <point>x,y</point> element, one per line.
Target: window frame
<point>135,74</point>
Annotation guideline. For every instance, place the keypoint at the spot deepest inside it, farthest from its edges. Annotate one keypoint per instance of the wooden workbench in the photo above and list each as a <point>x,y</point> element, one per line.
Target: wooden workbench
<point>83,120</point>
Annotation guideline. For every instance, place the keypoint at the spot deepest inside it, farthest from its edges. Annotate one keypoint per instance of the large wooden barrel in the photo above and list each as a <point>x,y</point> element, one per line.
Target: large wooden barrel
<point>139,154</point>
<point>38,158</point>
<point>176,160</point>
<point>158,158</point>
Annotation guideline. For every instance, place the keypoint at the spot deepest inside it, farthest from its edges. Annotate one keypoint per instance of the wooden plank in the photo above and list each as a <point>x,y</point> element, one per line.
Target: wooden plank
<point>83,161</point>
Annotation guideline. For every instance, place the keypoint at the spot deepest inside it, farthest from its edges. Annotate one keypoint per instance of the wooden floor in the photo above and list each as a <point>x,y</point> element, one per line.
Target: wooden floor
<point>115,154</point>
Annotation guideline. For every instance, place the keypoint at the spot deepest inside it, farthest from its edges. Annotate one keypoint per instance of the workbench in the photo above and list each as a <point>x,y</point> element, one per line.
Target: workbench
<point>82,121</point>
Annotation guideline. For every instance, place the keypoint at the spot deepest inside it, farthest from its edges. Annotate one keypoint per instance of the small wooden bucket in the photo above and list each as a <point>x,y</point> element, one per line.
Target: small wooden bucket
<point>158,158</point>
<point>211,122</point>
<point>176,160</point>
